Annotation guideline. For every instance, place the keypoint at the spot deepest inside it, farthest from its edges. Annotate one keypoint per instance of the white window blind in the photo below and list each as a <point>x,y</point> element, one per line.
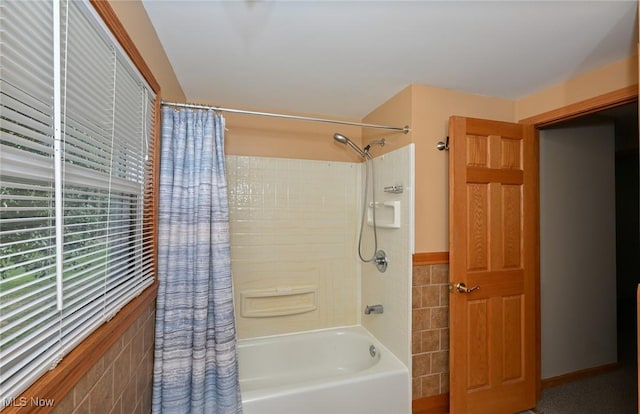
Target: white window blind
<point>106,117</point>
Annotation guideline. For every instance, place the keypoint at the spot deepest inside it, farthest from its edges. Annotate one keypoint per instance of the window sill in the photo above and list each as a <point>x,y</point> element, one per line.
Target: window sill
<point>57,383</point>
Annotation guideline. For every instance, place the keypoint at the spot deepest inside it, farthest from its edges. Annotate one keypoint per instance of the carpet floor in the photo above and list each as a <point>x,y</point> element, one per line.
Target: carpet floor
<point>614,392</point>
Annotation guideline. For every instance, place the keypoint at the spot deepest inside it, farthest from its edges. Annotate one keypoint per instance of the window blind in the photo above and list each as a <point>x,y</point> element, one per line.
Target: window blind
<point>106,112</point>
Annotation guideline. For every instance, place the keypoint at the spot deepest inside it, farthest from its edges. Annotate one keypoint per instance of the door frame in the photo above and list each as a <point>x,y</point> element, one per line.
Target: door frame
<point>599,103</point>
<point>588,106</point>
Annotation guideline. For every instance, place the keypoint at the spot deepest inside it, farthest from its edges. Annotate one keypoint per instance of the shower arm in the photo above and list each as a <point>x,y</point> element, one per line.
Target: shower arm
<point>380,142</point>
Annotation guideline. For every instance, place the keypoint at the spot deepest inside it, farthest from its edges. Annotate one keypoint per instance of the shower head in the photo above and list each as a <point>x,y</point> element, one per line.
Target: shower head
<point>340,138</point>
<point>344,140</point>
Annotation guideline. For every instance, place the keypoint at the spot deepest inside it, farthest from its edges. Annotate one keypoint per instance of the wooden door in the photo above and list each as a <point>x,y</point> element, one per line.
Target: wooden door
<point>493,170</point>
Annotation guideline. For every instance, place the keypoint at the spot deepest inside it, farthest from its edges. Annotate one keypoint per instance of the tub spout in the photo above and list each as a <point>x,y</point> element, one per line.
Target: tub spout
<point>373,309</point>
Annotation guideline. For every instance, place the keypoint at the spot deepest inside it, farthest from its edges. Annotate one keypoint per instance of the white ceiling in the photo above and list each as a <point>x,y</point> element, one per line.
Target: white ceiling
<point>345,58</point>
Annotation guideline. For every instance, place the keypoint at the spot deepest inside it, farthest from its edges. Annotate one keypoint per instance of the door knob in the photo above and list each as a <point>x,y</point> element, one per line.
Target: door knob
<point>462,288</point>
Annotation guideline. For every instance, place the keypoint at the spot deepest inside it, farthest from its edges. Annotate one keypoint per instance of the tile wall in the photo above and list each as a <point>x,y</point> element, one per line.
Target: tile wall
<point>294,226</point>
<point>430,330</point>
<point>121,381</point>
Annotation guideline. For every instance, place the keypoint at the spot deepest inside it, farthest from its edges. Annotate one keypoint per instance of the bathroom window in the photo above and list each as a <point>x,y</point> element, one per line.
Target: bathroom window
<point>76,161</point>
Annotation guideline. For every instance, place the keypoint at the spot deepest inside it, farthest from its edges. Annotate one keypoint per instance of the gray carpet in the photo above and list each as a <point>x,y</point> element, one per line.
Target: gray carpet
<point>609,393</point>
<point>614,392</point>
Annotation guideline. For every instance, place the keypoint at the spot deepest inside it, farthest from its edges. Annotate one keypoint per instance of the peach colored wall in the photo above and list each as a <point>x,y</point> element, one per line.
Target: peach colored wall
<point>608,78</point>
<point>396,111</point>
<point>285,138</point>
<point>426,110</point>
<point>431,109</point>
<point>135,20</point>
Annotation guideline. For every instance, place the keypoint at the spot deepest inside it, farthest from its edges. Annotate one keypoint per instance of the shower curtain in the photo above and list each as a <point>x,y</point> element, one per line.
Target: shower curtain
<point>195,366</point>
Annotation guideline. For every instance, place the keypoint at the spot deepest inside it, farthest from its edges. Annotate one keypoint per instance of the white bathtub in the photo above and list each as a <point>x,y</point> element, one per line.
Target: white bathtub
<point>327,371</point>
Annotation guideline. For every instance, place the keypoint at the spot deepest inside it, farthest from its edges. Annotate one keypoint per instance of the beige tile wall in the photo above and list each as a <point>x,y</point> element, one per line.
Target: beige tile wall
<point>430,330</point>
<point>293,224</point>
<point>121,381</point>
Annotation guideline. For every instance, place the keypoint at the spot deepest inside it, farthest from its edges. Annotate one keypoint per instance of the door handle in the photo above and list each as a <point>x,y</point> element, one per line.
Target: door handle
<point>462,288</point>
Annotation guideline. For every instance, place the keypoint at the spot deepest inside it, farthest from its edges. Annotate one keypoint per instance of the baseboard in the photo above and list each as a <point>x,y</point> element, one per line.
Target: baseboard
<point>436,404</point>
<point>577,375</point>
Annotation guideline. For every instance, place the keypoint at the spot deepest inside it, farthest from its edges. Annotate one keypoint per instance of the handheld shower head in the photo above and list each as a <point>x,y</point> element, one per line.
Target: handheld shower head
<point>340,138</point>
<point>344,140</point>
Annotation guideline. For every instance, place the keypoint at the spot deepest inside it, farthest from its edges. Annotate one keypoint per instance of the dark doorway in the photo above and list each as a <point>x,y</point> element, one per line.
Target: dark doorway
<point>591,394</point>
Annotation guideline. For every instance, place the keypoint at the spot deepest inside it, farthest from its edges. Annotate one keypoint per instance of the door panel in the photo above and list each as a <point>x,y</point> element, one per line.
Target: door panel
<point>493,230</point>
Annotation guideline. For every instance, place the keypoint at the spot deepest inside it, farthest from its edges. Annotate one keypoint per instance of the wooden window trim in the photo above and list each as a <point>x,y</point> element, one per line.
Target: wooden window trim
<point>57,383</point>
<point>105,11</point>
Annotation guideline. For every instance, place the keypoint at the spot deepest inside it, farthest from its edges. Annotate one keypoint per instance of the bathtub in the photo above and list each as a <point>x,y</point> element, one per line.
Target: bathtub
<point>330,371</point>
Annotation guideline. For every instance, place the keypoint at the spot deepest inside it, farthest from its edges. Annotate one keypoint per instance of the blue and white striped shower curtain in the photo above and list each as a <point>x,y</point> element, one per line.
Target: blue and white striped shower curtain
<point>195,367</point>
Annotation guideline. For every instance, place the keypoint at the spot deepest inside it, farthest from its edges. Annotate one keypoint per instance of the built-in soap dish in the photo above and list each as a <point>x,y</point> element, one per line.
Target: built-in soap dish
<point>387,214</point>
<point>280,301</point>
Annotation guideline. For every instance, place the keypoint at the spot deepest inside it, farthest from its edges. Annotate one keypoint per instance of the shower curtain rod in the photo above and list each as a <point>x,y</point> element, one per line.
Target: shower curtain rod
<point>404,129</point>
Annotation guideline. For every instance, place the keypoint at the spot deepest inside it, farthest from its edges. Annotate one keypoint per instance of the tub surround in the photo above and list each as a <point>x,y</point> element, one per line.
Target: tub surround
<point>294,233</point>
<point>293,236</point>
<point>392,288</point>
<point>294,240</point>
